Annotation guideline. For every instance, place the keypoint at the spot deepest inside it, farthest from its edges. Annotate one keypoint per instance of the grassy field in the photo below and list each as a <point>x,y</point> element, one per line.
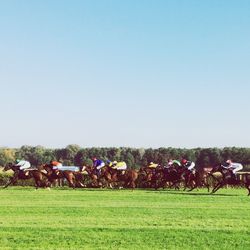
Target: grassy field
<point>122,219</point>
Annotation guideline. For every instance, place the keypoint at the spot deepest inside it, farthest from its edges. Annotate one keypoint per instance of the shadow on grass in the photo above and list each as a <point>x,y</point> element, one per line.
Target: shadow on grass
<point>189,193</point>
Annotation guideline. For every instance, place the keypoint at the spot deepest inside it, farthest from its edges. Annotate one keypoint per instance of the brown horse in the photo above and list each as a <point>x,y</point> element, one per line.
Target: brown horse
<point>40,178</point>
<point>54,174</point>
<point>146,177</point>
<point>115,177</point>
<point>196,178</point>
<point>94,178</point>
<point>202,177</point>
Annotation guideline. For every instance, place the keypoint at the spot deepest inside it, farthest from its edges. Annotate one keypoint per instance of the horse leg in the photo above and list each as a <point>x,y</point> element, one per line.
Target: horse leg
<point>192,188</point>
<point>40,183</point>
<point>206,184</point>
<point>175,184</point>
<point>186,186</point>
<point>70,181</point>
<point>110,184</point>
<point>186,179</point>
<point>217,187</point>
<point>80,180</point>
<point>248,188</point>
<point>37,183</point>
<point>12,181</point>
<point>133,185</point>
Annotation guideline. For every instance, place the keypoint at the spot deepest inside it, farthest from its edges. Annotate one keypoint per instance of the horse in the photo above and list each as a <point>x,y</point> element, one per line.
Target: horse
<point>79,180</point>
<point>129,178</point>
<point>54,174</point>
<point>93,175</point>
<point>172,176</point>
<point>146,177</point>
<point>175,175</point>
<point>198,178</point>
<point>40,178</point>
<point>228,178</point>
<point>113,176</point>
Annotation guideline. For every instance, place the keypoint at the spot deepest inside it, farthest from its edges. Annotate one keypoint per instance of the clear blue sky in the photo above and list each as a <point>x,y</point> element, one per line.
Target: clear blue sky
<point>125,73</point>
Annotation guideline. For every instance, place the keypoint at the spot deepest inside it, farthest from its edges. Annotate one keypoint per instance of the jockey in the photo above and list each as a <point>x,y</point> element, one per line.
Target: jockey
<point>188,164</point>
<point>55,164</point>
<point>173,163</point>
<point>22,164</point>
<point>153,165</point>
<point>98,164</point>
<point>233,166</point>
<point>118,165</point>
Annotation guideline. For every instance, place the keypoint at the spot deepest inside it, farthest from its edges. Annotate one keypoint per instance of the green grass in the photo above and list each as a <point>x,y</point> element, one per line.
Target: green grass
<point>122,219</point>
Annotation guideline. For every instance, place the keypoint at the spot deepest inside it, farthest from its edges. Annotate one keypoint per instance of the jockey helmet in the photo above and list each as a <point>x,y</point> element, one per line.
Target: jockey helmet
<point>151,163</point>
<point>94,159</point>
<point>229,161</point>
<point>114,162</point>
<point>17,161</point>
<point>183,161</point>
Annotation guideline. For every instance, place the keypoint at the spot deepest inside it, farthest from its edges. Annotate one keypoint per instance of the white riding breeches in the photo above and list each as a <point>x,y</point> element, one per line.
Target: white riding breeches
<point>100,166</point>
<point>236,167</point>
<point>191,167</point>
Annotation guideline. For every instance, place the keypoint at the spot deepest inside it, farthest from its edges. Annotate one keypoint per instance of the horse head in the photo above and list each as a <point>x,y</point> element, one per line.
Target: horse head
<point>88,169</point>
<point>216,168</point>
<point>47,167</point>
<point>8,166</point>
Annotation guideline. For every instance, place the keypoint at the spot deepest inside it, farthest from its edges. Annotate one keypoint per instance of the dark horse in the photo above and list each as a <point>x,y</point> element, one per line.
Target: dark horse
<point>146,177</point>
<point>172,176</point>
<point>39,177</point>
<point>199,178</point>
<point>228,178</point>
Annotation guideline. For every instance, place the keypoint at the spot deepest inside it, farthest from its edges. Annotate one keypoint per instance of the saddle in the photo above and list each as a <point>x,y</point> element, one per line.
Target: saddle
<point>25,172</point>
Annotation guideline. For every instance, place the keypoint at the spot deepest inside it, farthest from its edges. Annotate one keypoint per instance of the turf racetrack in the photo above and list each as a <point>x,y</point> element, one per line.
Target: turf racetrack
<point>122,219</point>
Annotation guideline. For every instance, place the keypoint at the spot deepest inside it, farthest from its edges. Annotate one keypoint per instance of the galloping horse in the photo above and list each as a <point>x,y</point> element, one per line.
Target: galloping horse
<point>199,178</point>
<point>92,173</point>
<point>39,177</point>
<point>113,176</point>
<point>54,174</point>
<point>228,178</point>
<point>146,178</point>
<point>172,176</point>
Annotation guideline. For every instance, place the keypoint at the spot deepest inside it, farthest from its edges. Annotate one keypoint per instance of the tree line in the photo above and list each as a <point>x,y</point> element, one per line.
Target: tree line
<point>134,157</point>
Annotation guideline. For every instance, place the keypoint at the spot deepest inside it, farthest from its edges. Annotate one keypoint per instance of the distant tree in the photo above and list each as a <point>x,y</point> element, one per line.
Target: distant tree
<point>6,155</point>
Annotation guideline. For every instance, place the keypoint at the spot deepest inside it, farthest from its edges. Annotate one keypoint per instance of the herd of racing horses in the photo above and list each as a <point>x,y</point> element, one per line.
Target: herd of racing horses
<point>172,178</point>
